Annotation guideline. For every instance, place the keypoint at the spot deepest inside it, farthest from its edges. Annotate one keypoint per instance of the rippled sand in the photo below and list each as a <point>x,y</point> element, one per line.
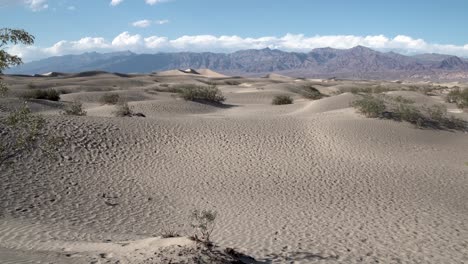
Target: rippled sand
<point>308,182</point>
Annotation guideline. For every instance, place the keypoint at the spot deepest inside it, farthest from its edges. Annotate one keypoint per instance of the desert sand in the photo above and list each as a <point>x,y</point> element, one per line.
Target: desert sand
<point>310,182</point>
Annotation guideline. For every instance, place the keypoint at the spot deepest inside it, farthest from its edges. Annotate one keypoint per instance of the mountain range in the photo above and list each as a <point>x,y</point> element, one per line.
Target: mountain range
<point>355,63</point>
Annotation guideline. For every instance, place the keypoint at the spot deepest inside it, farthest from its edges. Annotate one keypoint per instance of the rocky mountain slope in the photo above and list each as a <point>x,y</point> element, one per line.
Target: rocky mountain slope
<point>355,63</point>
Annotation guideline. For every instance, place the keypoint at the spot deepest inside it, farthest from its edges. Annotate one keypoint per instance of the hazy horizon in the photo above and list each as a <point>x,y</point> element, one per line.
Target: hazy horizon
<point>230,52</point>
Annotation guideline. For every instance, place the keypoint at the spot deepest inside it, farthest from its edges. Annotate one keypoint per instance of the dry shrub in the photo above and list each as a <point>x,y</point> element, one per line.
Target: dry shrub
<point>48,94</point>
<point>282,100</point>
<point>109,98</point>
<point>74,109</point>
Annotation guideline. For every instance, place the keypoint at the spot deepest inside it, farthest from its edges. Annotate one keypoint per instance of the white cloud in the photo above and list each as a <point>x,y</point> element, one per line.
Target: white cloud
<point>71,8</point>
<point>149,2</point>
<point>153,2</point>
<point>125,40</point>
<point>36,5</point>
<point>115,2</point>
<point>198,43</point>
<point>142,23</point>
<point>161,22</point>
<point>146,23</point>
<point>155,42</point>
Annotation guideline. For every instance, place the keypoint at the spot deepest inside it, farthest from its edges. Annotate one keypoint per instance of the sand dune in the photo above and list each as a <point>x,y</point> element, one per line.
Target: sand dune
<point>211,74</point>
<point>192,72</point>
<point>311,182</point>
<point>279,77</point>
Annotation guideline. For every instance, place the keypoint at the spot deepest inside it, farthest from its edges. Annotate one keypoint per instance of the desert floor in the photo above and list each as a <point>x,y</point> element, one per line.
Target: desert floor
<point>310,182</point>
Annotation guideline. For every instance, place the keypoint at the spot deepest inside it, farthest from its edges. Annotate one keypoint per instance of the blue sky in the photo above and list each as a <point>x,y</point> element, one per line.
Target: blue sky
<point>75,26</point>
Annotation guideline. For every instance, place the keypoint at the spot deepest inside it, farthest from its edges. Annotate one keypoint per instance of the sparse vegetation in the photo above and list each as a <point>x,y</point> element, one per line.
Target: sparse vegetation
<point>23,130</point>
<point>110,98</point>
<point>47,94</point>
<point>3,89</point>
<point>459,97</point>
<point>177,88</point>
<point>401,99</point>
<point>191,92</point>
<point>74,109</point>
<point>371,90</point>
<point>203,93</point>
<point>282,100</point>
<point>437,112</point>
<point>312,93</point>
<point>435,116</point>
<point>168,233</point>
<point>122,109</point>
<point>409,113</point>
<point>356,90</point>
<point>308,92</point>
<point>204,223</point>
<point>370,106</point>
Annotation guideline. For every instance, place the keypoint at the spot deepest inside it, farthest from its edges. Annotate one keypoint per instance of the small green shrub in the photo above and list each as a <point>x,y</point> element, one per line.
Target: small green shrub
<point>48,94</point>
<point>308,92</point>
<point>423,117</point>
<point>109,98</point>
<point>122,109</point>
<point>409,113</point>
<point>74,109</point>
<point>177,88</point>
<point>357,90</point>
<point>437,112</point>
<point>282,100</point>
<point>24,131</point>
<point>202,93</point>
<point>401,99</point>
<point>370,106</point>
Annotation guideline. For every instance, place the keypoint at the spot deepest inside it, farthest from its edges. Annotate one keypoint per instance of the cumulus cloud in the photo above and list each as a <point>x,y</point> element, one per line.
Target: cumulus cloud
<point>36,5</point>
<point>146,23</point>
<point>125,40</point>
<point>198,43</point>
<point>142,23</point>
<point>115,2</point>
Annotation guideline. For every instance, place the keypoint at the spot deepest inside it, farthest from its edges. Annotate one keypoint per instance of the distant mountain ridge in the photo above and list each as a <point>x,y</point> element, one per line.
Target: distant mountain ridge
<point>357,63</point>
